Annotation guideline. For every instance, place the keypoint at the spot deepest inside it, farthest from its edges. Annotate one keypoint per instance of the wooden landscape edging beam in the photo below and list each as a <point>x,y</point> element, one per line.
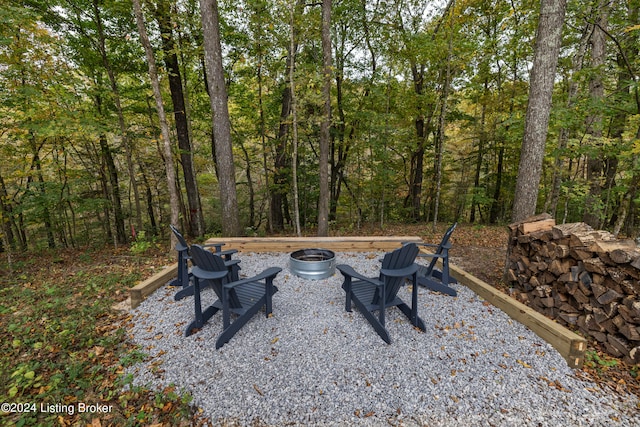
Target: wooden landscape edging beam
<point>286,244</point>
<point>145,288</point>
<point>569,344</point>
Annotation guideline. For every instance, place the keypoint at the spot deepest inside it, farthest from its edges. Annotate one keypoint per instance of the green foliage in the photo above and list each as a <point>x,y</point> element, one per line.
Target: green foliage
<point>141,244</point>
<point>66,345</point>
<point>65,81</point>
<point>594,359</point>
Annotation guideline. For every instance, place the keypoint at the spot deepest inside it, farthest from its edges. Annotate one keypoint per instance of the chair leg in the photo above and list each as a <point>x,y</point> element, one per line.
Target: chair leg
<point>200,317</point>
<point>183,279</point>
<point>414,298</point>
<point>183,271</point>
<point>436,285</point>
<point>226,315</point>
<point>235,276</point>
<point>442,279</point>
<point>373,321</point>
<point>415,321</point>
<point>231,329</point>
<point>346,285</point>
<point>269,291</point>
<point>412,313</point>
<point>184,292</point>
<point>383,303</point>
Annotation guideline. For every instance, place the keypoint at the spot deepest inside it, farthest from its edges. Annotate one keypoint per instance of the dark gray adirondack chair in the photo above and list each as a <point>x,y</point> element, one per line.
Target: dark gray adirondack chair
<point>184,276</point>
<point>431,277</point>
<point>243,298</point>
<point>371,294</point>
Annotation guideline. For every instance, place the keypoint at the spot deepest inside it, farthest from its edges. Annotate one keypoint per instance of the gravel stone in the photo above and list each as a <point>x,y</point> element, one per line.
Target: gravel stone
<point>313,363</point>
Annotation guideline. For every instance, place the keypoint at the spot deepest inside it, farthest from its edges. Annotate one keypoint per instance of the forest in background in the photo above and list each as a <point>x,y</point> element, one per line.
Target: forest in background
<point>427,114</point>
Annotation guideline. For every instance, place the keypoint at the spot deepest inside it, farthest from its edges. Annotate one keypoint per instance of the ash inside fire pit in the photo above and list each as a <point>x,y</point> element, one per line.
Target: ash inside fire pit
<point>313,263</point>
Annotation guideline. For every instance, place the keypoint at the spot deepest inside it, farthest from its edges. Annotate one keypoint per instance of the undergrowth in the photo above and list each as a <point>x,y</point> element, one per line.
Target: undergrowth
<point>65,349</point>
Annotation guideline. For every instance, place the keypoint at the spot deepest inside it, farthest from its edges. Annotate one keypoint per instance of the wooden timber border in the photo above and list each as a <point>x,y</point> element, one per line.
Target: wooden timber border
<point>145,288</point>
<point>286,244</point>
<point>570,345</point>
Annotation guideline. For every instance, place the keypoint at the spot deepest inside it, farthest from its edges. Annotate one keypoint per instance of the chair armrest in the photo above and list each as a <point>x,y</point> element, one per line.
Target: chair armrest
<point>400,272</point>
<point>218,246</point>
<point>428,245</point>
<point>434,255</point>
<point>347,270</point>
<point>227,252</point>
<point>229,263</point>
<point>208,275</point>
<point>266,274</point>
<point>219,251</point>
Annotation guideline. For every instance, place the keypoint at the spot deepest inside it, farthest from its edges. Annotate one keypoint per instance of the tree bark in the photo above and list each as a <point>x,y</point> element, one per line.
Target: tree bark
<point>441,131</point>
<point>221,123</point>
<point>325,135</point>
<point>291,61</point>
<point>195,218</point>
<point>102,49</point>
<point>6,218</point>
<point>547,48</point>
<point>114,194</point>
<point>417,156</point>
<point>551,204</point>
<point>164,127</point>
<point>594,209</point>
<point>278,201</point>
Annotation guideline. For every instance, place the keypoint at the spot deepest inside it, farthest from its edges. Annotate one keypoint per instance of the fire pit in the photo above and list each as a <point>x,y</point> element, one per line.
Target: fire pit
<point>313,263</point>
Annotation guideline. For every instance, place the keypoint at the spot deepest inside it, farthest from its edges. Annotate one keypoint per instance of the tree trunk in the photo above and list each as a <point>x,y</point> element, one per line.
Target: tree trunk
<point>291,61</point>
<point>6,218</point>
<point>551,205</point>
<point>547,48</point>
<point>482,136</point>
<point>278,204</point>
<point>325,135</point>
<point>221,123</point>
<point>102,49</point>
<point>496,203</point>
<point>441,132</point>
<point>38,181</point>
<point>164,127</point>
<point>195,218</point>
<point>340,150</point>
<point>247,173</point>
<point>116,202</point>
<point>594,209</point>
<point>417,156</point>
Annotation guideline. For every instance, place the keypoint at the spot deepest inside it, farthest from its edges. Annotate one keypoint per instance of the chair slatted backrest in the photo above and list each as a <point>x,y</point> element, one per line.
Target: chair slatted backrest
<point>400,258</point>
<point>209,261</point>
<point>181,241</point>
<point>443,242</point>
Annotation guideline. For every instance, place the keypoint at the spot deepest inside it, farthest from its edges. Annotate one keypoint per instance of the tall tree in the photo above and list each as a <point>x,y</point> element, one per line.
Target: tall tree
<point>446,82</point>
<point>101,46</point>
<point>157,95</point>
<point>325,125</point>
<point>543,72</point>
<point>221,122</point>
<point>291,62</point>
<point>195,217</point>
<point>596,159</point>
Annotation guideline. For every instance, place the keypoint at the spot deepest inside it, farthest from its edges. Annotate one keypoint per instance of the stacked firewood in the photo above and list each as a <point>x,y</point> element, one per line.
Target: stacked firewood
<point>581,277</point>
